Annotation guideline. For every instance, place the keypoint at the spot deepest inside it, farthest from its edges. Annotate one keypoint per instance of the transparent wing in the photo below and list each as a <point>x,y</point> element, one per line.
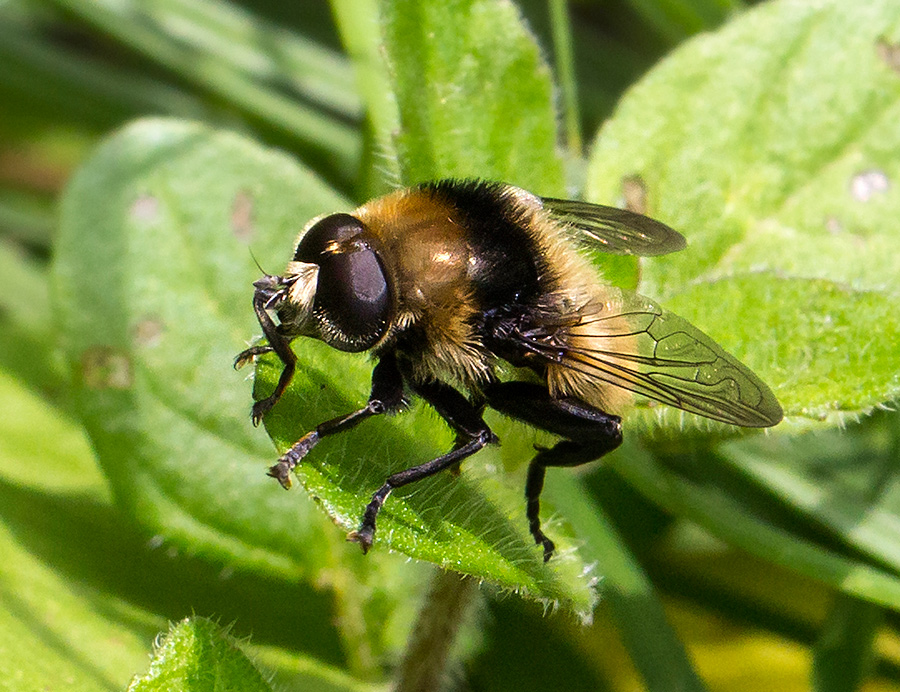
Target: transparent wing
<point>639,346</point>
<point>617,231</point>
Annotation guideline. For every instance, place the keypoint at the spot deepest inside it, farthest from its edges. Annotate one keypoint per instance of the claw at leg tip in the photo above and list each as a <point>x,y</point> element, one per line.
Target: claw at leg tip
<point>549,549</point>
<point>365,542</point>
<point>280,475</point>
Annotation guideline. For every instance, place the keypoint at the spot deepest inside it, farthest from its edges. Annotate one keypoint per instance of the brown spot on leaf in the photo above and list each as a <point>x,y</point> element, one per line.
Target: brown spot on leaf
<point>103,367</point>
<point>148,332</point>
<point>145,209</point>
<point>634,192</point>
<point>242,216</point>
<point>889,53</point>
<point>833,225</point>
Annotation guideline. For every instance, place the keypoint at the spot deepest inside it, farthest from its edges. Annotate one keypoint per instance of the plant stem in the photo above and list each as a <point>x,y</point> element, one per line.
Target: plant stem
<point>844,654</point>
<point>652,643</point>
<point>565,68</point>
<point>435,631</point>
<point>350,620</point>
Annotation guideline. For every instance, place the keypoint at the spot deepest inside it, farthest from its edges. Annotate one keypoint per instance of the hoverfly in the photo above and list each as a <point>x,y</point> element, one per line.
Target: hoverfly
<point>443,282</point>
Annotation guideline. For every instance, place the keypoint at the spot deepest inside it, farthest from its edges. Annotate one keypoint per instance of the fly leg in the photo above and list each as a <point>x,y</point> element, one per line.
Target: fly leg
<point>277,343</point>
<point>472,434</point>
<point>249,354</point>
<point>588,434</point>
<point>386,395</point>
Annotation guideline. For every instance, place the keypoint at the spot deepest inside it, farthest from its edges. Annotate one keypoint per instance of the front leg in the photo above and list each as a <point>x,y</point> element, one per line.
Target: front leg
<point>249,354</point>
<point>472,433</point>
<point>277,343</point>
<point>386,395</point>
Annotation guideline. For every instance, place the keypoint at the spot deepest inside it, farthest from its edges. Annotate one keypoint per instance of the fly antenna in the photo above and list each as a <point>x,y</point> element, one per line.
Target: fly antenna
<point>256,262</point>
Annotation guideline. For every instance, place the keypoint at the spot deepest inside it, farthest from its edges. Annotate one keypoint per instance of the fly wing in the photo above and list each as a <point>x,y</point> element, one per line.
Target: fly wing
<point>631,342</point>
<point>613,230</point>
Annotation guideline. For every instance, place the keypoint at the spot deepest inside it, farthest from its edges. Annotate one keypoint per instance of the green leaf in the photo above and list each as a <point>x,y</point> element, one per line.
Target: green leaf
<point>840,480</point>
<point>61,625</point>
<point>289,672</point>
<point>26,325</point>
<point>83,594</point>
<point>804,337</point>
<point>57,81</point>
<point>152,277</point>
<point>198,656</point>
<point>674,20</point>
<point>771,145</point>
<point>475,97</point>
<point>358,23</point>
<point>741,524</point>
<point>474,523</point>
<point>27,217</point>
<point>563,49</point>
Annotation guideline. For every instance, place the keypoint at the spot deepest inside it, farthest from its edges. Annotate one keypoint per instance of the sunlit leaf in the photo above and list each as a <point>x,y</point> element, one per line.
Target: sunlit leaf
<point>197,656</point>
<point>164,213</point>
<point>474,95</point>
<point>771,145</point>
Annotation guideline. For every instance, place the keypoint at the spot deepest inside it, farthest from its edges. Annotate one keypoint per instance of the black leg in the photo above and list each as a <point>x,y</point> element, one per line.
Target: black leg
<point>277,343</point>
<point>472,434</point>
<point>386,395</point>
<point>589,432</point>
<point>249,354</point>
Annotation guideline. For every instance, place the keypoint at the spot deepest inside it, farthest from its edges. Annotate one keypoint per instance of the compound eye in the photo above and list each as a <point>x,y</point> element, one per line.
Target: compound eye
<point>323,235</point>
<point>353,299</point>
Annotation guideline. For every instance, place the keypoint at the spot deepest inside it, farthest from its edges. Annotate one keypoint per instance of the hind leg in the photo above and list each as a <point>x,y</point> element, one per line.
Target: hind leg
<point>588,434</point>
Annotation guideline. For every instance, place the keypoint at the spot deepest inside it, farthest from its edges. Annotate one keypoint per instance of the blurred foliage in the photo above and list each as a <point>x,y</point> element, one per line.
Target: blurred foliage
<point>132,487</point>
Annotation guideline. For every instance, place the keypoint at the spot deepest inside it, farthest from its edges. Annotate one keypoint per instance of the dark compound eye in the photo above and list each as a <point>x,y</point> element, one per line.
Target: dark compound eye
<point>353,298</point>
<point>316,241</point>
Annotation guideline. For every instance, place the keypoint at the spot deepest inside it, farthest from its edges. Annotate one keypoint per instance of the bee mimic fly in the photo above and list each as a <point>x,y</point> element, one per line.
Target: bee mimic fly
<point>443,282</point>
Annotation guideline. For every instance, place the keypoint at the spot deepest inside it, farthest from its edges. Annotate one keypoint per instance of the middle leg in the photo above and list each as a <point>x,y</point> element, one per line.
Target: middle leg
<point>472,434</point>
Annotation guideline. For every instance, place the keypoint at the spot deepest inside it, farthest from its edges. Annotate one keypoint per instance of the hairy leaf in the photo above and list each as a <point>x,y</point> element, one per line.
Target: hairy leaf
<point>771,145</point>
